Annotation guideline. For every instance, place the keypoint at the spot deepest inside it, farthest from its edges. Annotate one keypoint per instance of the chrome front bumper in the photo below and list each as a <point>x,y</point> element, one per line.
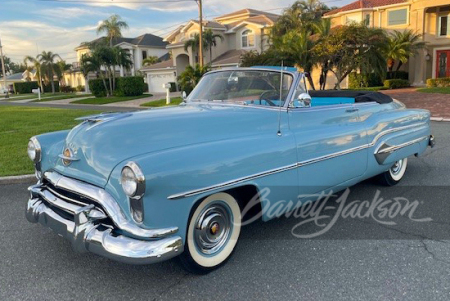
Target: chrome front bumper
<point>89,228</point>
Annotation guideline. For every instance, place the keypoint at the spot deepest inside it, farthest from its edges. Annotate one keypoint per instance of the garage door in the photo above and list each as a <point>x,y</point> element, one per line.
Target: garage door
<point>156,81</point>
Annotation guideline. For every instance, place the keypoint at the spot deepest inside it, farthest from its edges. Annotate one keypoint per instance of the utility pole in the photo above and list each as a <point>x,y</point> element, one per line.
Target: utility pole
<point>200,46</point>
<point>3,69</point>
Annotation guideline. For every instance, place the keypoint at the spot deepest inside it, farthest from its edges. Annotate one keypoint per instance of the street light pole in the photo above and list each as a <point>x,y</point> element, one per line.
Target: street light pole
<point>200,16</point>
<point>3,69</point>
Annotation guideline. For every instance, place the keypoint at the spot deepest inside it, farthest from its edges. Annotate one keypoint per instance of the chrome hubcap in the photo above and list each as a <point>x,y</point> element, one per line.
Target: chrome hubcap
<point>212,228</point>
<point>397,167</point>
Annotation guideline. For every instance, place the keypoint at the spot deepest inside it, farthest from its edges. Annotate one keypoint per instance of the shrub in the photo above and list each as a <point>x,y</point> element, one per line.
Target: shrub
<point>173,87</point>
<point>79,88</point>
<point>397,75</point>
<point>66,89</point>
<point>438,82</point>
<point>25,87</point>
<point>357,80</point>
<point>97,87</point>
<point>130,86</point>
<point>48,88</point>
<point>396,83</point>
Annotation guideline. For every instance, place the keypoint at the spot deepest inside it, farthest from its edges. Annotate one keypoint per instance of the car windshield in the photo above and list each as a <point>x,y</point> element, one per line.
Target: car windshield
<point>246,87</point>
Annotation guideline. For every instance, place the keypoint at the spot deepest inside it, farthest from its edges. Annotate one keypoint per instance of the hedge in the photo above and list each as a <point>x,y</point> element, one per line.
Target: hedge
<point>396,83</point>
<point>357,80</point>
<point>397,75</point>
<point>129,86</point>
<point>438,82</point>
<point>25,87</point>
<point>97,87</point>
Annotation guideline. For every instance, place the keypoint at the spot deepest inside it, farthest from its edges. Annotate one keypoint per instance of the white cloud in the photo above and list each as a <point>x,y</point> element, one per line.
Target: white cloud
<point>69,13</point>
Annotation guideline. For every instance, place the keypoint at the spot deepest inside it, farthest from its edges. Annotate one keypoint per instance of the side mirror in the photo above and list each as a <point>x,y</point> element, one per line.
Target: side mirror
<point>304,100</point>
<point>184,95</point>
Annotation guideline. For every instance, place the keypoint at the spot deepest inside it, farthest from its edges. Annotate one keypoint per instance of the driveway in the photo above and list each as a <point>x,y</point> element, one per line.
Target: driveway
<point>437,104</point>
<point>358,259</point>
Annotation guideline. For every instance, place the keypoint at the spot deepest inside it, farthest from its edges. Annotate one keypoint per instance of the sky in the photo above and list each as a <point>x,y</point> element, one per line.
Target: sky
<point>27,27</point>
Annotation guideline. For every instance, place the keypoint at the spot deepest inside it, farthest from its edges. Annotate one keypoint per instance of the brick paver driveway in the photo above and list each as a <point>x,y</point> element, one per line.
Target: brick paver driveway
<point>438,104</point>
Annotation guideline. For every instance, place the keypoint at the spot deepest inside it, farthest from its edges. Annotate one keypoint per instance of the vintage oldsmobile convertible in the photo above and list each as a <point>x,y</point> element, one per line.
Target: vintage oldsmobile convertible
<point>146,186</point>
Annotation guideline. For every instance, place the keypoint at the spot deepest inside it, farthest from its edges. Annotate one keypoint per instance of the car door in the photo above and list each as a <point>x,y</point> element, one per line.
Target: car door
<point>331,146</point>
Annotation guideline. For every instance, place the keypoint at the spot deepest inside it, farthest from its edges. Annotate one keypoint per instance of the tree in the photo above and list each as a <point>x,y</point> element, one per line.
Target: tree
<point>194,44</point>
<point>92,62</point>
<point>62,67</point>
<point>210,39</point>
<point>323,30</point>
<point>401,46</point>
<point>48,64</point>
<point>150,60</point>
<point>355,47</point>
<point>191,76</point>
<point>112,27</point>
<point>37,66</point>
<point>121,58</point>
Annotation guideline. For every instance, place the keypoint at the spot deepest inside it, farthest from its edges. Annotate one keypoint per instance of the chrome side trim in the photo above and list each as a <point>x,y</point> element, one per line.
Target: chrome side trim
<point>295,165</point>
<point>68,158</point>
<point>232,182</point>
<point>108,203</point>
<point>384,150</point>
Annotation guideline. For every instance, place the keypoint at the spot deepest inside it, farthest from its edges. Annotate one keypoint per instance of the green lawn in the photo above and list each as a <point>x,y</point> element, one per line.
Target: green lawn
<point>162,102</point>
<point>105,100</point>
<point>435,90</point>
<point>61,96</point>
<point>13,97</point>
<point>18,124</point>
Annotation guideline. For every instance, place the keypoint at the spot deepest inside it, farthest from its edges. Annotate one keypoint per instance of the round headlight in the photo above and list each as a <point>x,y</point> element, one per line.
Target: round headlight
<point>34,150</point>
<point>132,180</point>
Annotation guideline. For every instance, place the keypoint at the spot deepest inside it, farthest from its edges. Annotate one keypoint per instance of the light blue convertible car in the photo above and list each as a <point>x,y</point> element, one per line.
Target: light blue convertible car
<point>143,187</point>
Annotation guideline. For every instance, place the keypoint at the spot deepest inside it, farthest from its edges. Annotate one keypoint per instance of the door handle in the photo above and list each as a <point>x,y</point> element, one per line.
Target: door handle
<point>351,110</point>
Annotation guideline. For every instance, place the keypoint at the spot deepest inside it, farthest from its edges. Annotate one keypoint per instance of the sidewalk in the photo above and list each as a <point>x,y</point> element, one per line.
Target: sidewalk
<point>437,104</point>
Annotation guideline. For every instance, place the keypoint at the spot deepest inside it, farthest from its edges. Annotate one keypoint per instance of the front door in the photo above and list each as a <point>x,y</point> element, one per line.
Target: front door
<point>443,63</point>
<point>331,144</point>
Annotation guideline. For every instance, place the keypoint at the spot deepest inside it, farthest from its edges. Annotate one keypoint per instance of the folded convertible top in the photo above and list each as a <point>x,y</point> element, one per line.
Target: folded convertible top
<point>359,96</point>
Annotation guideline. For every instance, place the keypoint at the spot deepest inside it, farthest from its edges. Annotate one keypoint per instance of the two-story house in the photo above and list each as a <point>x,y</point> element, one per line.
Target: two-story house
<point>241,31</point>
<point>139,48</point>
<point>429,18</point>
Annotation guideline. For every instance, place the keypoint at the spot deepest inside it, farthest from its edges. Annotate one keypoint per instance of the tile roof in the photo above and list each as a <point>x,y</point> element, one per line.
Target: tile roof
<point>360,4</point>
<point>249,11</point>
<point>15,76</point>
<point>142,40</point>
<point>229,57</point>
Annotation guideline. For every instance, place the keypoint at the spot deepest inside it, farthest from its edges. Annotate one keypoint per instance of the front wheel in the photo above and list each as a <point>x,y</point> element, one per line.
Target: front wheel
<point>394,175</point>
<point>212,235</point>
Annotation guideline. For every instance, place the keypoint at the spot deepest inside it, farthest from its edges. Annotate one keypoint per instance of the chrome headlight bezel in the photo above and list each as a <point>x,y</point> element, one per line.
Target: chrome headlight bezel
<point>131,172</point>
<point>34,150</point>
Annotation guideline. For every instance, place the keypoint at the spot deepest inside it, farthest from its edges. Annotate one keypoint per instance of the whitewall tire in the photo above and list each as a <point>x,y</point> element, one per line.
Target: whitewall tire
<point>213,232</point>
<point>395,174</point>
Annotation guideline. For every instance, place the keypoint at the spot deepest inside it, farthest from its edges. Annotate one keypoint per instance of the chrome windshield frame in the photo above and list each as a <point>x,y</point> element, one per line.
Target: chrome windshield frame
<point>296,77</point>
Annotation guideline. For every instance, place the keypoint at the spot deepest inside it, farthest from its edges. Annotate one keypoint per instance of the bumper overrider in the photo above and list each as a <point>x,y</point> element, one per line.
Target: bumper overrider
<point>92,221</point>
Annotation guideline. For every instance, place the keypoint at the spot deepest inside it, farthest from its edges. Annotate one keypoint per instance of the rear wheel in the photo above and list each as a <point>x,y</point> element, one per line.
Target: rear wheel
<point>394,175</point>
<point>212,235</point>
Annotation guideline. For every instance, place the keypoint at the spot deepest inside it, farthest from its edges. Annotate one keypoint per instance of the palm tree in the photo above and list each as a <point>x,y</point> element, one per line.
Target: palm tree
<point>37,66</point>
<point>191,76</point>
<point>194,44</point>
<point>211,40</point>
<point>150,60</point>
<point>62,67</point>
<point>401,46</point>
<point>323,30</point>
<point>121,58</point>
<point>48,64</point>
<point>112,27</point>
<point>91,62</point>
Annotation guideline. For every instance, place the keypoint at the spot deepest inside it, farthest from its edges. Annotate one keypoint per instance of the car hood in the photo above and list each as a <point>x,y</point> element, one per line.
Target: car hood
<point>101,142</point>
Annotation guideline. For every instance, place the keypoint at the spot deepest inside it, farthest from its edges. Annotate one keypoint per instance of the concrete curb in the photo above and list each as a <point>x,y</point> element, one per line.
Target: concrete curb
<point>440,119</point>
<point>18,179</point>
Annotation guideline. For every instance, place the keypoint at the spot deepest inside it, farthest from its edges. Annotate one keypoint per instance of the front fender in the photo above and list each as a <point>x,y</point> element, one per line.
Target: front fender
<point>52,145</point>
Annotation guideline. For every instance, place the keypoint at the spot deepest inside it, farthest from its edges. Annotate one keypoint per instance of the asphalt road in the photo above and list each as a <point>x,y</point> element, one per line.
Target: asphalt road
<point>357,259</point>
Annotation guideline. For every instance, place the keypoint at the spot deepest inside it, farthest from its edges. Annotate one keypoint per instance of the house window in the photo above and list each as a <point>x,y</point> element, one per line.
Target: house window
<point>367,20</point>
<point>144,54</point>
<point>444,26</point>
<point>398,17</point>
<point>248,39</point>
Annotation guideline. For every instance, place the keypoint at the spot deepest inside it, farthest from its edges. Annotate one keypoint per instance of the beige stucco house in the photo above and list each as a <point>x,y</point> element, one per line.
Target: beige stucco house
<point>140,48</point>
<point>243,30</point>
<point>426,17</point>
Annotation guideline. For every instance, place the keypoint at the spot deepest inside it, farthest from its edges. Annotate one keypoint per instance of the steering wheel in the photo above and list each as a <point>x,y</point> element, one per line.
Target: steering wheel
<point>261,98</point>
